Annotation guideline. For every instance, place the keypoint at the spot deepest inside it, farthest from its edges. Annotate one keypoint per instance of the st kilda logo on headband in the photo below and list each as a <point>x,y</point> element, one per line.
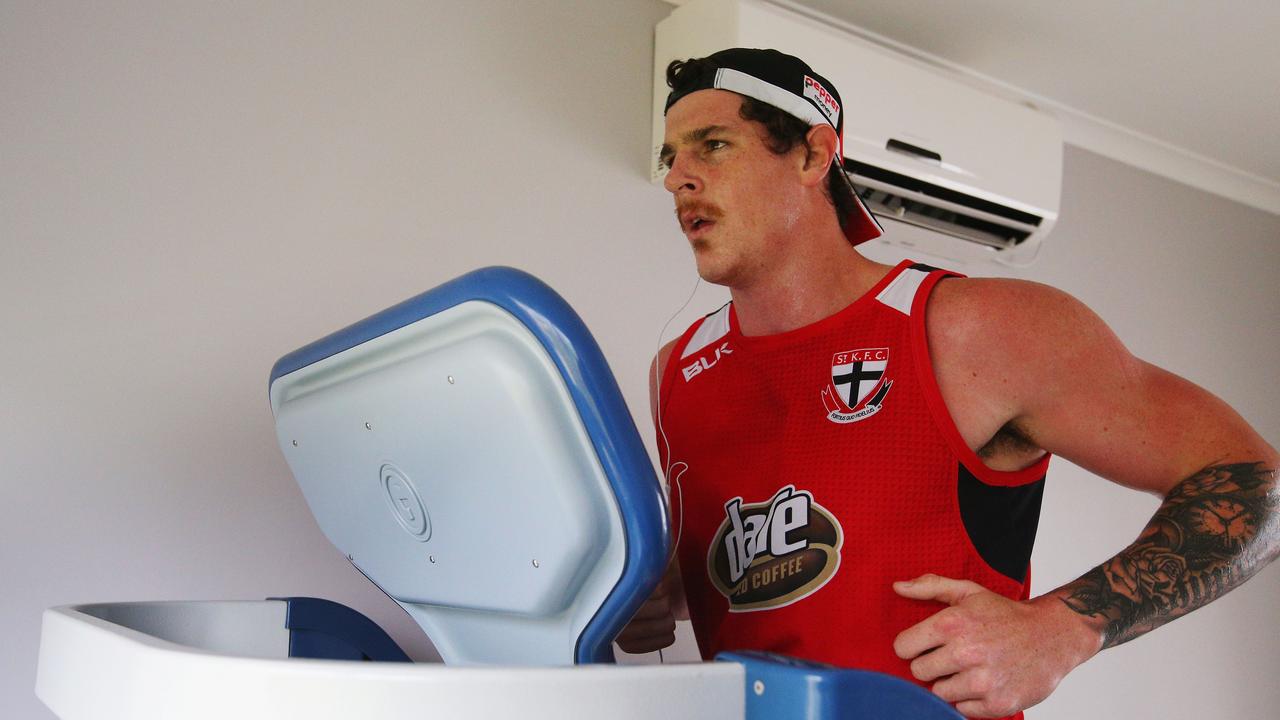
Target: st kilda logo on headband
<point>858,384</point>
<point>771,554</point>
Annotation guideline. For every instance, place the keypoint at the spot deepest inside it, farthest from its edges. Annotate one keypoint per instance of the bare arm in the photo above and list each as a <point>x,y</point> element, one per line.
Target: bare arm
<point>1026,360</point>
<point>1146,428</point>
<point>1213,532</point>
<point>679,603</point>
<point>653,626</point>
<point>656,370</point>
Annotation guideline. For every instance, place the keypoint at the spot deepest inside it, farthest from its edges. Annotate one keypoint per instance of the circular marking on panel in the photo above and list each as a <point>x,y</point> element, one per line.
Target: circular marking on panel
<point>405,503</point>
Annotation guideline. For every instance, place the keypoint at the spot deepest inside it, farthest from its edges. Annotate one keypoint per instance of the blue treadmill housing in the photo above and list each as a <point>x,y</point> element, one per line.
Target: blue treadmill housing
<point>470,452</point>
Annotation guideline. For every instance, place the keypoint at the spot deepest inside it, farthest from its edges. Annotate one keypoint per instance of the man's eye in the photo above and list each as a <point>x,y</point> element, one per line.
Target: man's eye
<point>716,144</point>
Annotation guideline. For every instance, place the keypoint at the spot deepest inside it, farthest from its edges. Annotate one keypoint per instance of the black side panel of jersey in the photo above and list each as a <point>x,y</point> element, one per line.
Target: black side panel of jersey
<point>922,266</point>
<point>1001,521</point>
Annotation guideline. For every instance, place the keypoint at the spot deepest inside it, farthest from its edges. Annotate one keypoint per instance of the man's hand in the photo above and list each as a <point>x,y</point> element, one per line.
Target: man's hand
<point>653,627</point>
<point>987,654</point>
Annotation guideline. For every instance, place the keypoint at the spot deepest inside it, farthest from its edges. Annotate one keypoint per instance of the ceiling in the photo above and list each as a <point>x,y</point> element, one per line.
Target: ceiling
<point>1190,90</point>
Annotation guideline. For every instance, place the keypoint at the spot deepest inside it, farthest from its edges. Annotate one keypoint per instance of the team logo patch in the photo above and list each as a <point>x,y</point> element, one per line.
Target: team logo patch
<point>824,100</point>
<point>858,384</point>
<point>771,554</point>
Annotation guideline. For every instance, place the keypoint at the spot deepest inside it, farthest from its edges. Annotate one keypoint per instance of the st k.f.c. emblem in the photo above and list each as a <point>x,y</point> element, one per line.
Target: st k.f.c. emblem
<point>858,384</point>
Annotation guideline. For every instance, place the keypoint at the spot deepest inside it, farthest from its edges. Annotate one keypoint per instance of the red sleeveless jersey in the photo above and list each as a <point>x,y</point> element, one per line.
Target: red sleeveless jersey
<point>810,470</point>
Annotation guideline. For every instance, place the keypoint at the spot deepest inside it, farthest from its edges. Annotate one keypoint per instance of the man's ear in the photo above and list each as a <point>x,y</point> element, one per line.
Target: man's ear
<point>822,143</point>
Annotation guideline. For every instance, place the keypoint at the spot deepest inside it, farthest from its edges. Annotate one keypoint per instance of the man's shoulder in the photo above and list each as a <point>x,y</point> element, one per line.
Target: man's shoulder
<point>659,362</point>
<point>963,309</point>
<point>712,325</point>
<point>1004,350</point>
<point>1012,339</point>
<point>976,293</point>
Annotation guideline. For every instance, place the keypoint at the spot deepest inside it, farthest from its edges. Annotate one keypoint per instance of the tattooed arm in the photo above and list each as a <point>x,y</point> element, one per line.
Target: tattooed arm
<point>1213,532</point>
<point>1023,361</point>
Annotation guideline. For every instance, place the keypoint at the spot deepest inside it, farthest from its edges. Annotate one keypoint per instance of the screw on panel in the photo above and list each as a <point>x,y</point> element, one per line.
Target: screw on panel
<point>295,443</point>
<point>432,558</point>
<point>536,563</point>
<point>450,379</point>
<point>758,687</point>
<point>367,426</point>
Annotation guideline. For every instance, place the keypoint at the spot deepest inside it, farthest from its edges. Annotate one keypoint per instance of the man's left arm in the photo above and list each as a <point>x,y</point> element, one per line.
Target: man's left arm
<point>1129,422</point>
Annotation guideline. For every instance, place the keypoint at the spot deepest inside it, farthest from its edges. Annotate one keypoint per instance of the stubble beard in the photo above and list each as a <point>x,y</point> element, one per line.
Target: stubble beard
<point>705,261</point>
<point>708,270</point>
<point>717,264</point>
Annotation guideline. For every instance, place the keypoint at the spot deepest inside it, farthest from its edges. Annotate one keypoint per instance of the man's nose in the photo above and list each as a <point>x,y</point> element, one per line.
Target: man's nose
<point>679,178</point>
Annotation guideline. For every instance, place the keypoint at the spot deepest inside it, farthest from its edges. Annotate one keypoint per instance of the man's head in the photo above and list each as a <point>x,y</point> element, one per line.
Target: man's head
<point>771,101</point>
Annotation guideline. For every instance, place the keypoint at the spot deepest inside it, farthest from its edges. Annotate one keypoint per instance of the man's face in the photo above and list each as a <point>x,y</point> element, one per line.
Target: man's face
<point>735,199</point>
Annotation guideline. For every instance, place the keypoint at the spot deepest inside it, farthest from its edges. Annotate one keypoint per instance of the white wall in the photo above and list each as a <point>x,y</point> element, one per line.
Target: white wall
<point>188,193</point>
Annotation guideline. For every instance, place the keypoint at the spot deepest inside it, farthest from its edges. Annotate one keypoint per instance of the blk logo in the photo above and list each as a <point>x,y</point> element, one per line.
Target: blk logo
<point>702,364</point>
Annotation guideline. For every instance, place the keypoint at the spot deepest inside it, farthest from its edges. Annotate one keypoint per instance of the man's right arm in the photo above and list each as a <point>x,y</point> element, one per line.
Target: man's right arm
<point>656,369</point>
<point>653,626</point>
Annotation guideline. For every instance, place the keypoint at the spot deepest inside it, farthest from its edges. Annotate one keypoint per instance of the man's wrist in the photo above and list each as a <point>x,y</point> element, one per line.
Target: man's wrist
<point>1079,637</point>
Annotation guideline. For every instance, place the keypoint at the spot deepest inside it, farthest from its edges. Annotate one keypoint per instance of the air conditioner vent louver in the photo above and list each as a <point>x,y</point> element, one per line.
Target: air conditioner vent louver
<point>915,185</point>
<point>911,200</point>
<point>944,221</point>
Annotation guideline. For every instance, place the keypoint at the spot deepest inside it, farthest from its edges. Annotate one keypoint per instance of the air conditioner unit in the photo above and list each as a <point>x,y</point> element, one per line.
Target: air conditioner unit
<point>922,148</point>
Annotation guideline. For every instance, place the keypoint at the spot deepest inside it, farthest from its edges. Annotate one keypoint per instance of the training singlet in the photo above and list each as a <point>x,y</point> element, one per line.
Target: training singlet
<point>812,469</point>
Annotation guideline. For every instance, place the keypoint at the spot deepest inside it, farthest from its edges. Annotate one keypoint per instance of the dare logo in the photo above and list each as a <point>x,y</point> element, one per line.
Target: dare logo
<point>771,554</point>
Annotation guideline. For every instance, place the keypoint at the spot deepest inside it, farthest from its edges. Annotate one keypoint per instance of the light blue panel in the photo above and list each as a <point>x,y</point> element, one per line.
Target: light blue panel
<point>469,451</point>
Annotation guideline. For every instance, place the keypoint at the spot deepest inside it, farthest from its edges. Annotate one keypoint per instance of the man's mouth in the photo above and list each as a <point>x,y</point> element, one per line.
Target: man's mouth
<point>696,222</point>
<point>698,228</point>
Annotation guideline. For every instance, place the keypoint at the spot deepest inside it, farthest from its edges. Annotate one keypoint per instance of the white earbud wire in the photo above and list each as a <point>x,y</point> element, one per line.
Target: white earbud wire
<point>670,465</point>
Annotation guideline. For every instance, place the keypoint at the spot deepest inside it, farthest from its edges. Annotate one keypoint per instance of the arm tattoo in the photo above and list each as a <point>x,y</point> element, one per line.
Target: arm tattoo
<point>1214,531</point>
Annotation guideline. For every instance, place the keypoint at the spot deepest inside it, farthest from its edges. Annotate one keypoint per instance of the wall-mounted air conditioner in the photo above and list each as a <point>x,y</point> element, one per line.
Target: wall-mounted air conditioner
<point>922,148</point>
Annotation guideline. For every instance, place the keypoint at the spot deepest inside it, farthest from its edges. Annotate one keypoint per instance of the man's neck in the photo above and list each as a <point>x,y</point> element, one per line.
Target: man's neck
<point>805,288</point>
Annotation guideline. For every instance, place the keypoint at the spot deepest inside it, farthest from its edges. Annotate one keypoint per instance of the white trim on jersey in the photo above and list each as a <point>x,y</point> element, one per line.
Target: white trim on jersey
<point>900,293</point>
<point>714,327</point>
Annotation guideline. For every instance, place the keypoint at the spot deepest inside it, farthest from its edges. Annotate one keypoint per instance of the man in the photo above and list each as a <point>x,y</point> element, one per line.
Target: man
<point>856,452</point>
